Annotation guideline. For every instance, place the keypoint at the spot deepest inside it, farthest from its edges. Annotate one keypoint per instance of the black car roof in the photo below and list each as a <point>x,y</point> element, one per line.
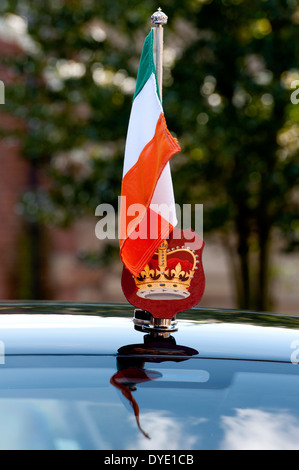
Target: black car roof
<point>108,329</point>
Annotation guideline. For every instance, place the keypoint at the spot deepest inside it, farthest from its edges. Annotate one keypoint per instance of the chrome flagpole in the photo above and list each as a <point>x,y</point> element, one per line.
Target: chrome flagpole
<point>160,326</point>
<point>158,20</point>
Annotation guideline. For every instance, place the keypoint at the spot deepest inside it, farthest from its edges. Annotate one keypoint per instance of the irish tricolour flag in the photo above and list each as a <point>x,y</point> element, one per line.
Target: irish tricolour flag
<point>147,205</point>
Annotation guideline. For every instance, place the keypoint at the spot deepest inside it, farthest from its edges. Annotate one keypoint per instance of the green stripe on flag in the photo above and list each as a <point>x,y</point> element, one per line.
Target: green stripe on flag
<point>146,65</point>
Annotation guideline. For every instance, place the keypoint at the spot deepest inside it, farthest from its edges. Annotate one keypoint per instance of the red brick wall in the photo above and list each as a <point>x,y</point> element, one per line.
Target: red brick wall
<point>13,178</point>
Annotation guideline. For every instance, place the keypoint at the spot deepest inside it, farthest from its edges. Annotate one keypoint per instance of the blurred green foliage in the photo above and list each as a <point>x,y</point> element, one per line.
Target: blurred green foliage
<point>229,69</point>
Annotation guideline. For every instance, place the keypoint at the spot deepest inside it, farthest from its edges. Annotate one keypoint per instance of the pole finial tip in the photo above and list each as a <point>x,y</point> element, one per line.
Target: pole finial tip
<point>159,18</point>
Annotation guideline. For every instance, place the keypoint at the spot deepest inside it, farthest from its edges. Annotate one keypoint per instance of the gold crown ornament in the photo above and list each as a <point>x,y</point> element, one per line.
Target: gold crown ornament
<point>172,281</point>
<point>168,275</point>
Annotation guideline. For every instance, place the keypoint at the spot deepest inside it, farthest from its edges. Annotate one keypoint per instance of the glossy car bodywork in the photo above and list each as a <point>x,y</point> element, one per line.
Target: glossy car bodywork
<point>79,376</point>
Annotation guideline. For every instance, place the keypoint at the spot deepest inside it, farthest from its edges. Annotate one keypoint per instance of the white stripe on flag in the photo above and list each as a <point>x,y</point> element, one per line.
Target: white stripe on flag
<point>164,197</point>
<point>145,113</point>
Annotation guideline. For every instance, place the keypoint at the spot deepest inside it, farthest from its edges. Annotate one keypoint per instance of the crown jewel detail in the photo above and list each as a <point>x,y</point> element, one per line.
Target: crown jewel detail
<point>168,275</point>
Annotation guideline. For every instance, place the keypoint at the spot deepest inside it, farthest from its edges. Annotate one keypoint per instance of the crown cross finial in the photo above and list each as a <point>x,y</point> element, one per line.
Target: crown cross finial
<point>162,256</point>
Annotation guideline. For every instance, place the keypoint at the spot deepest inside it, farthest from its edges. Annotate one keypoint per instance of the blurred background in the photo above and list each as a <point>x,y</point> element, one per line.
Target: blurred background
<point>69,69</point>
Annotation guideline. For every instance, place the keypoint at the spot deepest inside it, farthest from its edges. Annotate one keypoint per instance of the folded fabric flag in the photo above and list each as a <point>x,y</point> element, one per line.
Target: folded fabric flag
<point>147,215</point>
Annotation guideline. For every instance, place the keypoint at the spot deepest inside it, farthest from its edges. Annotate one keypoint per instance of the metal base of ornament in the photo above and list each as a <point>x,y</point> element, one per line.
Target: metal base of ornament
<point>146,323</point>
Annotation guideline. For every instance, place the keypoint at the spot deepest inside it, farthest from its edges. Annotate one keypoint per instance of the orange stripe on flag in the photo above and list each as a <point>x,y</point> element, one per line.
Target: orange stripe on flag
<point>136,252</point>
<point>138,187</point>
